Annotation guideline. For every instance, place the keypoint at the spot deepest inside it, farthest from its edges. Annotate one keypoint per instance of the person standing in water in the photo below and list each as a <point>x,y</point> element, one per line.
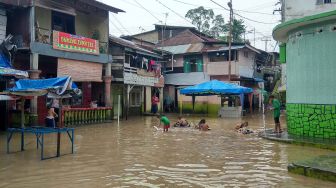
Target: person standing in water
<point>276,113</point>
<point>155,101</point>
<point>165,121</point>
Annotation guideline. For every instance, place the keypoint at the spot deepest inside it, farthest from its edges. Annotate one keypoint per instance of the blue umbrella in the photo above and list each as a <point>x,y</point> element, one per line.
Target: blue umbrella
<point>215,87</point>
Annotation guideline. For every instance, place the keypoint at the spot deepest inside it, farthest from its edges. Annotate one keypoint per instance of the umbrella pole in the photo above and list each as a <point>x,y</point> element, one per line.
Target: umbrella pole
<point>22,113</point>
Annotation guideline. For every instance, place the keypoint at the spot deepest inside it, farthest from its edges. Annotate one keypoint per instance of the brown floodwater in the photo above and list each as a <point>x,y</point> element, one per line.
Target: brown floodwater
<point>134,154</point>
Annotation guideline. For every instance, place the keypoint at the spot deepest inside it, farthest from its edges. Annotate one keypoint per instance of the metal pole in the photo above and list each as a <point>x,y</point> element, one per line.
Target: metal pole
<point>118,108</point>
<point>254,38</point>
<point>230,37</point>
<point>60,125</point>
<point>22,113</point>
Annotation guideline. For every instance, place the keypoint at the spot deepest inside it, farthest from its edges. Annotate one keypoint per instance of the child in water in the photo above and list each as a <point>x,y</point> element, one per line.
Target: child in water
<point>182,122</point>
<point>50,119</point>
<point>202,126</point>
<point>165,121</point>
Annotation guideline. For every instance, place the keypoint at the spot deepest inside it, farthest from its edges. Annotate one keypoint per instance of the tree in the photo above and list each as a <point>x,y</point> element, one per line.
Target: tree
<point>238,30</point>
<point>206,22</point>
<point>201,18</point>
<point>218,27</point>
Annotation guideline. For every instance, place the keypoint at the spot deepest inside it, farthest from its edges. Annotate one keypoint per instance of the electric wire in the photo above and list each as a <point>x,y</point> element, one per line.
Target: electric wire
<point>179,15</point>
<point>148,11</point>
<point>121,24</point>
<point>241,15</point>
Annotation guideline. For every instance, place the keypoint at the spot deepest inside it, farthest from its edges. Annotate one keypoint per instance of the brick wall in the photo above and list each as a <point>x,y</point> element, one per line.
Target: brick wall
<point>317,121</point>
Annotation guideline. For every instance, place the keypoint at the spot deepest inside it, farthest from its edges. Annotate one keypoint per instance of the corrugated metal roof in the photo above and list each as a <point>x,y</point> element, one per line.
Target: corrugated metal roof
<point>183,49</point>
<point>180,49</point>
<point>132,45</point>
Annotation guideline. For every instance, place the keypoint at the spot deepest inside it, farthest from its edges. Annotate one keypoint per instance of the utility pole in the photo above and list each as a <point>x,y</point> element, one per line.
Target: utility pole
<point>266,40</point>
<point>230,37</point>
<point>254,39</point>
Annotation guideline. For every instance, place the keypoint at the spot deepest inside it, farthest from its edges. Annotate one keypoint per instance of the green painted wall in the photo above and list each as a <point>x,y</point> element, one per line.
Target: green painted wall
<point>311,65</point>
<point>201,108</point>
<point>311,81</point>
<point>310,120</point>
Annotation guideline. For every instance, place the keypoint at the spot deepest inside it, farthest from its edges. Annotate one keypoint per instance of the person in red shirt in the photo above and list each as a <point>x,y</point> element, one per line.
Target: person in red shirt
<point>155,101</point>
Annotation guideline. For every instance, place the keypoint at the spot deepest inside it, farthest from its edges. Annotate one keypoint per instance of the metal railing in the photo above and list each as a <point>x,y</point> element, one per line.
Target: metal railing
<point>82,116</point>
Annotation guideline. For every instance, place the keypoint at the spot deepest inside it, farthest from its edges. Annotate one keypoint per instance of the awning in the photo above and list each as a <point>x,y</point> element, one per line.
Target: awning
<point>215,87</point>
<point>13,72</point>
<point>55,86</point>
<point>7,98</point>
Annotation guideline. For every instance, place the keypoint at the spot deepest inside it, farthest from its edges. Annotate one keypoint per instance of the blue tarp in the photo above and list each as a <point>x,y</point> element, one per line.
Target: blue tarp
<point>215,87</point>
<point>4,62</point>
<point>40,87</point>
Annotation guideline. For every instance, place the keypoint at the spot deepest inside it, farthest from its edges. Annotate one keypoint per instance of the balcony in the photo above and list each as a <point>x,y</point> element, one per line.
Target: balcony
<point>186,79</point>
<point>44,45</point>
<point>222,68</point>
<point>143,77</point>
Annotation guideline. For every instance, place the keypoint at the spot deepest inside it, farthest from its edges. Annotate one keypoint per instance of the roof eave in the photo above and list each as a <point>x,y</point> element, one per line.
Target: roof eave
<point>280,32</point>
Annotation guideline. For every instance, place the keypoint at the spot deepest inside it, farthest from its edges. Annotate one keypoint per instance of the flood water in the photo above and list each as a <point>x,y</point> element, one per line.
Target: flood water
<point>134,154</point>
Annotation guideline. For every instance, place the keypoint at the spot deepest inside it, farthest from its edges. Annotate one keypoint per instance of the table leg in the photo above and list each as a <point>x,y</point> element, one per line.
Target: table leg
<point>58,144</point>
<point>72,141</point>
<point>22,141</point>
<point>42,146</point>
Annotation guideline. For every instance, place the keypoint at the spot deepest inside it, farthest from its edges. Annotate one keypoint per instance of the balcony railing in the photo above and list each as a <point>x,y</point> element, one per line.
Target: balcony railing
<point>44,35</point>
<point>82,116</point>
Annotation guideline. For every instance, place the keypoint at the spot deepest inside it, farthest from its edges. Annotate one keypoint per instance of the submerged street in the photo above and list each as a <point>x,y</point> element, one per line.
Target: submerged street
<point>134,154</point>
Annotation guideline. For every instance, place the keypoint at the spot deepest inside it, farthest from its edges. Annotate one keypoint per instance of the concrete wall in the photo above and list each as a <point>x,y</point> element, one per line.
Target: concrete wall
<point>243,67</point>
<point>301,8</point>
<point>311,65</point>
<point>85,24</point>
<point>149,37</point>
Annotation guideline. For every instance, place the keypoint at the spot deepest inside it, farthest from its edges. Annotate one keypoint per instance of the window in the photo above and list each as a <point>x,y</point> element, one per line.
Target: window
<point>193,66</point>
<point>320,2</point>
<point>246,54</point>
<point>135,99</point>
<point>63,22</point>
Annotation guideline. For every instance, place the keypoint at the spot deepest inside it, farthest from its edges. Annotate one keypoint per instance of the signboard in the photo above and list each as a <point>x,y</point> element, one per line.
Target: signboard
<point>130,78</point>
<point>74,43</point>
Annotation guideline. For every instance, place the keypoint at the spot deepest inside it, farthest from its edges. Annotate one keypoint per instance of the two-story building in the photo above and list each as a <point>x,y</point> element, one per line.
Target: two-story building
<point>308,49</point>
<point>136,77</point>
<point>63,38</point>
<point>199,58</point>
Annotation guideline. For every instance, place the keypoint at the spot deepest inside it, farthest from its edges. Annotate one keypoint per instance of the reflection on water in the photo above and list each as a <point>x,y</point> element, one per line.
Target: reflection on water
<point>134,154</point>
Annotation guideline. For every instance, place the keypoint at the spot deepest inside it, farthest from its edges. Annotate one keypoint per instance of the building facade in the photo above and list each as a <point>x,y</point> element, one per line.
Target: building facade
<point>63,38</point>
<point>308,44</point>
<point>136,77</point>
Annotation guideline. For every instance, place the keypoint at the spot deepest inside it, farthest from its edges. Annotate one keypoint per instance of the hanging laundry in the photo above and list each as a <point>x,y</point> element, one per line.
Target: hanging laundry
<point>151,65</point>
<point>144,64</point>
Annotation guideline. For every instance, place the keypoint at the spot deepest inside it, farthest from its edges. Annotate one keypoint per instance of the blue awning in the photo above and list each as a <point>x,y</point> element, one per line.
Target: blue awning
<point>215,87</point>
<point>56,86</point>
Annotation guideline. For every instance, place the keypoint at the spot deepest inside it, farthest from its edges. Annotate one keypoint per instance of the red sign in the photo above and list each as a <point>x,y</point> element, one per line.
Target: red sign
<point>74,43</point>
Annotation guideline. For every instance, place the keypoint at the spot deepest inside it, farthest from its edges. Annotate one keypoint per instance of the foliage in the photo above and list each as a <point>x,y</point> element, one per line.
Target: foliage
<point>238,30</point>
<point>201,18</point>
<point>207,22</point>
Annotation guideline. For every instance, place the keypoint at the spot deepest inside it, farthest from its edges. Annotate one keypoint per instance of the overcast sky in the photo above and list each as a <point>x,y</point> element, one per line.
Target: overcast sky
<point>141,15</point>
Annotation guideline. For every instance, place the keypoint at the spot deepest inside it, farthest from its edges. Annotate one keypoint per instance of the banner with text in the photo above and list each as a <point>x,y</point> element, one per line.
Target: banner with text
<point>74,43</point>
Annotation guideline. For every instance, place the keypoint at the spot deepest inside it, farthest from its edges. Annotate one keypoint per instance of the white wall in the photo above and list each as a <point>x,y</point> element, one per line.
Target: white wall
<point>300,8</point>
